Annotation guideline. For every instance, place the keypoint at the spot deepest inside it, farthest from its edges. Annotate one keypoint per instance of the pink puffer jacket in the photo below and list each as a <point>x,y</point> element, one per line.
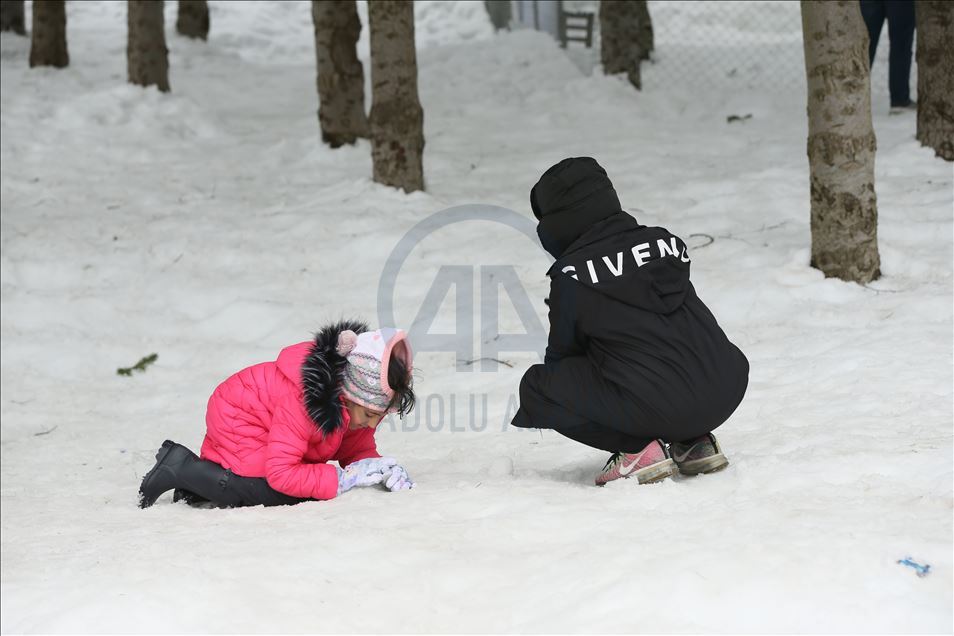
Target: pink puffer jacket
<point>283,420</point>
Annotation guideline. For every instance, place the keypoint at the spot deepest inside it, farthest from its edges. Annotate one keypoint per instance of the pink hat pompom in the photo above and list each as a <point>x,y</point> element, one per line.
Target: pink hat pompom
<point>347,340</point>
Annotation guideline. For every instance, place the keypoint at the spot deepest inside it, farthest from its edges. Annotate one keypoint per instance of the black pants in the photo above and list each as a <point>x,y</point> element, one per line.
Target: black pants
<point>900,17</point>
<point>573,399</point>
<point>209,483</point>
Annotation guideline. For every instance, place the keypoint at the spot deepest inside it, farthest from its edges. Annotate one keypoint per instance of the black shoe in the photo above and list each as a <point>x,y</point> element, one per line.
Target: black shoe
<point>187,497</point>
<point>163,477</point>
<point>700,455</point>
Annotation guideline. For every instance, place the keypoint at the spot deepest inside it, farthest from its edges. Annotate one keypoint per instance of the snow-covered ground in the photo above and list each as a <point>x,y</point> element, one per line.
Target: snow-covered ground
<point>210,226</point>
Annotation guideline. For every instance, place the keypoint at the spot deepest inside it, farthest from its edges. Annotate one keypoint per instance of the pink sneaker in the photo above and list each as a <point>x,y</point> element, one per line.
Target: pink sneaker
<point>649,465</point>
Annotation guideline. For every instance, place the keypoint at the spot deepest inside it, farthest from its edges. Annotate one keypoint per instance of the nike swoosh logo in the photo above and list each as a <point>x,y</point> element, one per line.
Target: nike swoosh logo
<point>625,470</point>
<point>682,458</point>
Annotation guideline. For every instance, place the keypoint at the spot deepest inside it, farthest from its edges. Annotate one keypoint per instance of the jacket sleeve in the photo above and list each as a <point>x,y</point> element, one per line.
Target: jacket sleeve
<point>284,469</point>
<point>564,309</point>
<point>357,445</point>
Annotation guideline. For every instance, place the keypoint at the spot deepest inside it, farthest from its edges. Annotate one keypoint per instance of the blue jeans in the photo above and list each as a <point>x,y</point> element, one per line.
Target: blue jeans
<point>900,17</point>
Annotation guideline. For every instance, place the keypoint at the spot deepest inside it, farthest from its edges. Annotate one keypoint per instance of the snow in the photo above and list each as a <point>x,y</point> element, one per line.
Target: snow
<point>210,226</point>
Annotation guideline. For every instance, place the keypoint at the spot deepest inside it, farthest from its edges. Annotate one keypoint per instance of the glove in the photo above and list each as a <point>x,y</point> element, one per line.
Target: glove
<point>398,479</point>
<point>366,472</point>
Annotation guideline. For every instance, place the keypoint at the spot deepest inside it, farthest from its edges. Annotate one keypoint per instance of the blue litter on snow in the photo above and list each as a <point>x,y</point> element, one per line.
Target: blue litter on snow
<point>922,570</point>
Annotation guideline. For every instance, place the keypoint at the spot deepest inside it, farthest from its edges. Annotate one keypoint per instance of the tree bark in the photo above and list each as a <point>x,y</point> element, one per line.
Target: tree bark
<point>340,74</point>
<point>500,13</point>
<point>147,58</point>
<point>935,57</point>
<point>644,38</point>
<point>48,45</point>
<point>626,37</point>
<point>397,119</point>
<point>11,16</point>
<point>841,141</point>
<point>192,19</point>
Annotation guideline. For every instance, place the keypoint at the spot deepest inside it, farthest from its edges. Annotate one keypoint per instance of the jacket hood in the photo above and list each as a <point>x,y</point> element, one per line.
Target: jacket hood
<point>322,374</point>
<point>569,199</point>
<point>644,267</point>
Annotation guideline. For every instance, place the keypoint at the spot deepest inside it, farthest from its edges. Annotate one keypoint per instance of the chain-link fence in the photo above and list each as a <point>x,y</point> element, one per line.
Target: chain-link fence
<point>750,44</point>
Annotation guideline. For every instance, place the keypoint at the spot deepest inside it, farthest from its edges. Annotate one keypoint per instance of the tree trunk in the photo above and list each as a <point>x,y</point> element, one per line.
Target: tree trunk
<point>499,12</point>
<point>147,58</point>
<point>48,45</point>
<point>340,74</point>
<point>192,20</point>
<point>935,56</point>
<point>841,141</point>
<point>397,119</point>
<point>644,38</point>
<point>11,16</point>
<point>626,37</point>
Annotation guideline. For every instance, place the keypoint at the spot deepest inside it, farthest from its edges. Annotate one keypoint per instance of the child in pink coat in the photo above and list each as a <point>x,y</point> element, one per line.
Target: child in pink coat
<point>272,428</point>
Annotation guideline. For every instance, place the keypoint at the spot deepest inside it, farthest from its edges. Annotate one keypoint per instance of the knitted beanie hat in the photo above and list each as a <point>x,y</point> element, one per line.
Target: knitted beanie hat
<point>366,374</point>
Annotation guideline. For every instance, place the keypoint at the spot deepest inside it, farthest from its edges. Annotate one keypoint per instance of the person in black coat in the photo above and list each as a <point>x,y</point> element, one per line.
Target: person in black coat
<point>635,364</point>
<point>900,15</point>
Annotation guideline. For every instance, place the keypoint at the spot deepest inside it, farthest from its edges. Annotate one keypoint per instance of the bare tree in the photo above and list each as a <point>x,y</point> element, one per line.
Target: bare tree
<point>626,37</point>
<point>500,13</point>
<point>340,74</point>
<point>11,16</point>
<point>192,20</point>
<point>48,45</point>
<point>644,37</point>
<point>147,58</point>
<point>935,23</point>
<point>841,141</point>
<point>397,119</point>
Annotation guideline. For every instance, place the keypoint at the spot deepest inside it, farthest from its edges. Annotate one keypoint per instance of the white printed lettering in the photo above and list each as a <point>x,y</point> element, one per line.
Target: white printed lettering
<point>618,270</point>
<point>589,266</point>
<point>665,248</point>
<point>641,253</point>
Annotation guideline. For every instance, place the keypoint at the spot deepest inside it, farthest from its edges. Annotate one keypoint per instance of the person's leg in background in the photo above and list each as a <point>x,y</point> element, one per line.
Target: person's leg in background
<point>873,12</point>
<point>572,398</point>
<point>900,15</point>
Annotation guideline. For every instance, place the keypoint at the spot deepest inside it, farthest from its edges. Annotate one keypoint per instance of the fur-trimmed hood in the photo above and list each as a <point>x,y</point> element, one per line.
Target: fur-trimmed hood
<point>322,373</point>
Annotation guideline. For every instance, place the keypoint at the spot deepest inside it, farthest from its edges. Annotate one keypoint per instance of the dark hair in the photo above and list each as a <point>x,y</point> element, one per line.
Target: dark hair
<point>401,382</point>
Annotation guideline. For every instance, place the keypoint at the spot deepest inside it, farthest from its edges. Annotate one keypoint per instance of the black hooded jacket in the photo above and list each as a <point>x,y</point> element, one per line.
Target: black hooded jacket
<point>620,295</point>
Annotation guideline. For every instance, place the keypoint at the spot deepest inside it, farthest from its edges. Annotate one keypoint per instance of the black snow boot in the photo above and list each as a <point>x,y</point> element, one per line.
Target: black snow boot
<point>191,499</point>
<point>177,468</point>
<point>171,459</point>
<point>188,498</point>
<point>202,482</point>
